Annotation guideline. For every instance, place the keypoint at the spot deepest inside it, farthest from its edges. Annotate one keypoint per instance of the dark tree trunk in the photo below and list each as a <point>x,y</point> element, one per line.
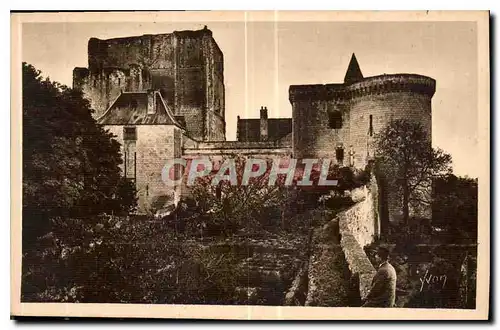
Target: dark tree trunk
<point>383,200</point>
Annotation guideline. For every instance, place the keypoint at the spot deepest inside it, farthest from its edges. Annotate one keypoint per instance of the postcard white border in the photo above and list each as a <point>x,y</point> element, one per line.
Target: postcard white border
<point>255,312</point>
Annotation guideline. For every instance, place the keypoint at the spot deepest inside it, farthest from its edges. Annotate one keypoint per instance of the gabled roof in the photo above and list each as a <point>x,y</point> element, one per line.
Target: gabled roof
<point>131,108</point>
<point>248,130</point>
<point>353,73</point>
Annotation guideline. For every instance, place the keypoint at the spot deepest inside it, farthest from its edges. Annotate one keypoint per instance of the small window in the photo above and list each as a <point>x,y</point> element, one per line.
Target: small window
<point>151,103</point>
<point>129,134</point>
<point>339,154</point>
<point>335,119</point>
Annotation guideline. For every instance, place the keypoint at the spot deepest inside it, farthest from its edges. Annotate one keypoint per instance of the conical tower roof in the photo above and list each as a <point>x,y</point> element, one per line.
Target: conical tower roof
<point>353,73</point>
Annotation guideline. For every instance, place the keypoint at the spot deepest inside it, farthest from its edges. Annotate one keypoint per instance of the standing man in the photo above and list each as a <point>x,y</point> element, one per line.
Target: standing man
<point>383,290</point>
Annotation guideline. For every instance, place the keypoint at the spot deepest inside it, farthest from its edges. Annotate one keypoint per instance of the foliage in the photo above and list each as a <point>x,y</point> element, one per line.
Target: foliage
<point>415,231</point>
<point>455,207</point>
<point>428,276</point>
<point>70,164</point>
<point>435,294</point>
<point>407,160</point>
<point>118,259</point>
<point>334,197</point>
<point>226,209</point>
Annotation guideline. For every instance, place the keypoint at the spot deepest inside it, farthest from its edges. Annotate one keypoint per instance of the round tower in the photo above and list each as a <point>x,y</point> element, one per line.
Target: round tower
<point>376,101</point>
<point>339,121</point>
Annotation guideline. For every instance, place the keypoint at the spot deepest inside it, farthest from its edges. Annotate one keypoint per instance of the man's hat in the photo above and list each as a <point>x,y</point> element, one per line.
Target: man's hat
<point>383,251</point>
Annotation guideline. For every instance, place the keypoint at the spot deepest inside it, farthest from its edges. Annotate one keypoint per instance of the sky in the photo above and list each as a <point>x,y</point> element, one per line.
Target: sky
<point>262,59</point>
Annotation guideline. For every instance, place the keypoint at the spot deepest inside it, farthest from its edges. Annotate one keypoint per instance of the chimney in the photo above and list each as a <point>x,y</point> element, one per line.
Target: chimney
<point>151,102</point>
<point>237,128</point>
<point>263,124</point>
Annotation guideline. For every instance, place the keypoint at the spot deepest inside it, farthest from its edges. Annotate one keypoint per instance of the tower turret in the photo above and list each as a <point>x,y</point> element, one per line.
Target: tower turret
<point>353,73</point>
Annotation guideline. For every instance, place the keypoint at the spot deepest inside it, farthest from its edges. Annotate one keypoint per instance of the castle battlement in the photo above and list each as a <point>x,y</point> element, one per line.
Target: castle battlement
<point>186,67</point>
<point>146,49</point>
<point>376,85</point>
<point>389,83</point>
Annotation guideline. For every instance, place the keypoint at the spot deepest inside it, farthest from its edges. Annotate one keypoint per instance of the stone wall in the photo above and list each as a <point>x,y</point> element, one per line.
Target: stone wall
<point>365,108</point>
<point>358,227</point>
<point>270,149</point>
<point>383,108</point>
<point>362,271</point>
<point>155,144</point>
<point>216,127</point>
<point>185,66</point>
<point>102,87</point>
<point>312,135</point>
<point>328,279</point>
<point>361,220</point>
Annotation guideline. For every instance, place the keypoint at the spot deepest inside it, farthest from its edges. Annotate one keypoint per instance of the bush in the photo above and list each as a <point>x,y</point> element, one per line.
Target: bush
<point>227,209</point>
<point>418,230</point>
<point>454,208</point>
<point>437,294</point>
<point>116,260</point>
<point>429,276</point>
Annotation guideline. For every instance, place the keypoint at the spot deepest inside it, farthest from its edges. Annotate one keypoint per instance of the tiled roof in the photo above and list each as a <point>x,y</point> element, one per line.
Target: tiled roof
<point>130,108</point>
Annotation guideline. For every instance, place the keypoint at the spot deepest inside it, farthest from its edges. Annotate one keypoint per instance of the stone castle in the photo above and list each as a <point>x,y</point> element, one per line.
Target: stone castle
<point>163,97</point>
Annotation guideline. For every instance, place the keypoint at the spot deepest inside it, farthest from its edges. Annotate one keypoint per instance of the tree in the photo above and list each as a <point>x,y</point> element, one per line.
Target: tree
<point>405,156</point>
<point>70,164</point>
<point>455,205</point>
<point>226,209</point>
<point>125,260</point>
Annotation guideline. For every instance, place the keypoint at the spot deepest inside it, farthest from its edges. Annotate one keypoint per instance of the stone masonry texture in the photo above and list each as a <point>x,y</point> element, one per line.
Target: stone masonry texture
<point>184,72</point>
<point>358,227</point>
<point>155,144</point>
<point>360,109</point>
<point>186,68</point>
